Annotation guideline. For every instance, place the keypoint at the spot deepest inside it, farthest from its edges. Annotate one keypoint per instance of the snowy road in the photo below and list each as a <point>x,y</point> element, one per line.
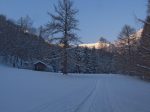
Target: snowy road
<point>29,91</point>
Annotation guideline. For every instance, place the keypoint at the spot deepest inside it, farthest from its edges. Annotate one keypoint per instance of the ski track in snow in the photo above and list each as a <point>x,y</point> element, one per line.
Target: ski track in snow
<point>30,91</point>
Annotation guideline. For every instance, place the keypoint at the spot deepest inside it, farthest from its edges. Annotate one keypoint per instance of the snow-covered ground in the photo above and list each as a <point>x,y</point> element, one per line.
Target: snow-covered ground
<point>30,91</point>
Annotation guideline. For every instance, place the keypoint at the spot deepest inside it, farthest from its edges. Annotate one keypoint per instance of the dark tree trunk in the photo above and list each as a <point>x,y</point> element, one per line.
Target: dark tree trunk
<point>65,58</point>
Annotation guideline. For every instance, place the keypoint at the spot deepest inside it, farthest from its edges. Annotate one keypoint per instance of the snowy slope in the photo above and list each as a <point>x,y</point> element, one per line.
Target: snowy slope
<point>30,91</point>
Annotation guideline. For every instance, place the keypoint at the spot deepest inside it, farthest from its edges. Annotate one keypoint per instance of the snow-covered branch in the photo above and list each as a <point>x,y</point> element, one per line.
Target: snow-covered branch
<point>52,59</point>
<point>146,49</point>
<point>142,21</point>
<point>142,66</point>
<point>75,62</point>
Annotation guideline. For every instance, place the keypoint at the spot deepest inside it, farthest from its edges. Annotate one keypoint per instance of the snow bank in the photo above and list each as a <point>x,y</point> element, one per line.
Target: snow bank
<point>31,91</point>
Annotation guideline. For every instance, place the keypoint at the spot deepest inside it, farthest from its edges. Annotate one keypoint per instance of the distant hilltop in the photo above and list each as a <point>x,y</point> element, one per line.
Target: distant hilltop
<point>97,45</point>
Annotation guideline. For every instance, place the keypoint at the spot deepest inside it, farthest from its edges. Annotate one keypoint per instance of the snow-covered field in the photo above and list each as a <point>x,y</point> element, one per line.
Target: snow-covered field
<point>30,91</point>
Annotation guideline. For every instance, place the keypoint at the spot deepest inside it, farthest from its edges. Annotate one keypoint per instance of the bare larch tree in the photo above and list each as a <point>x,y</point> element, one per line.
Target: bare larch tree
<point>62,28</point>
<point>125,49</point>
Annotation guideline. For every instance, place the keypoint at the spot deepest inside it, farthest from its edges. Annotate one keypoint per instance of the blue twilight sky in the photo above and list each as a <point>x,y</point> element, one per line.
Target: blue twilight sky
<point>97,17</point>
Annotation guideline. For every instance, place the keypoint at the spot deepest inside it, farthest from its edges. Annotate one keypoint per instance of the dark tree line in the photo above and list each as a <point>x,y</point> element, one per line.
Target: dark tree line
<point>143,63</point>
<point>17,46</point>
<point>133,53</point>
<point>91,60</point>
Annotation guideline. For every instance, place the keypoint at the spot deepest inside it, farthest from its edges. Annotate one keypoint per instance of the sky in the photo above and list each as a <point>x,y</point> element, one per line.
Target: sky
<point>97,18</point>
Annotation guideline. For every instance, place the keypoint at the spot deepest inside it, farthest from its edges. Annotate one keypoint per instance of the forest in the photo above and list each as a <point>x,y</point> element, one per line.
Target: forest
<point>57,45</point>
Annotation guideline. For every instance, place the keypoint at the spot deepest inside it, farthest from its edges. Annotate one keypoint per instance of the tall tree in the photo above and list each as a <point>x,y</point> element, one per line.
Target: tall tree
<point>125,51</point>
<point>86,60</point>
<point>26,24</point>
<point>62,27</point>
<point>78,59</point>
<point>144,48</point>
<point>103,43</point>
<point>103,40</point>
<point>94,60</point>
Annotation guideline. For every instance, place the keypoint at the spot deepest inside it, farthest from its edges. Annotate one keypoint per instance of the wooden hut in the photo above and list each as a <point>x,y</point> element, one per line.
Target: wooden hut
<point>40,66</point>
